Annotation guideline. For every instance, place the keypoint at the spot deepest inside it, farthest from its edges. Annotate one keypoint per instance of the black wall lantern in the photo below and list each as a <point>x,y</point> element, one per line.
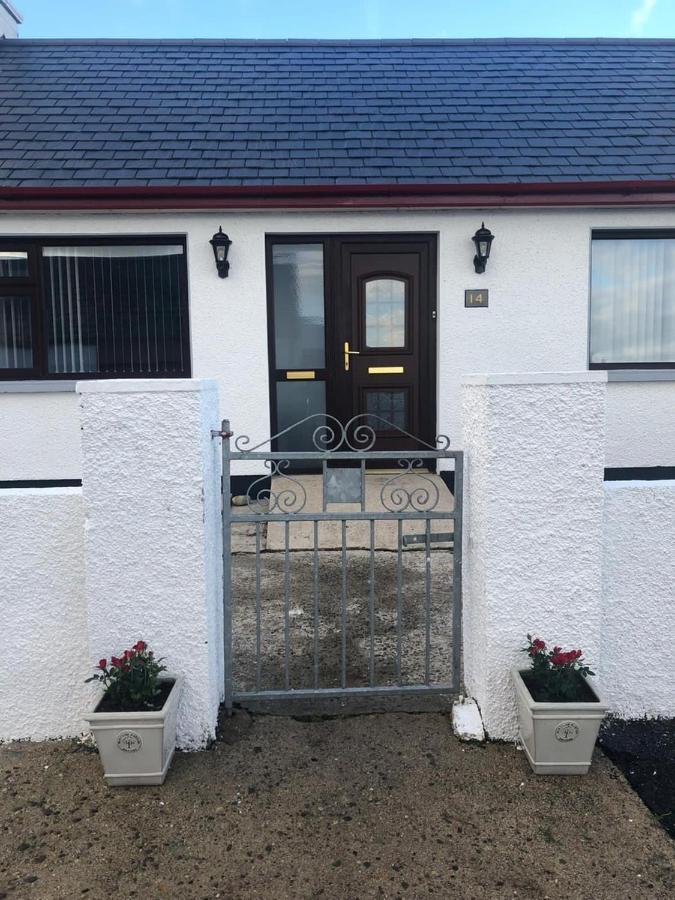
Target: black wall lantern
<point>483,239</point>
<point>221,245</point>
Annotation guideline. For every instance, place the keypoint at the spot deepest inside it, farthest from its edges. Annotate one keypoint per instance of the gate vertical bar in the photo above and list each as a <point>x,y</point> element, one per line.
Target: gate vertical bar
<point>315,566</point>
<point>427,601</point>
<point>227,565</point>
<point>343,607</point>
<point>287,618</point>
<point>371,603</point>
<point>399,599</point>
<point>258,624</point>
<point>457,572</point>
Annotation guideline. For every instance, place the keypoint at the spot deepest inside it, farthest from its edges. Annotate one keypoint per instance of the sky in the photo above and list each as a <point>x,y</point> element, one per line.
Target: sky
<point>345,18</point>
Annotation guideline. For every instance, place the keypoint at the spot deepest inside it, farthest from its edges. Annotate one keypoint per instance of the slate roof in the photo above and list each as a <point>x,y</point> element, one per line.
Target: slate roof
<point>315,112</point>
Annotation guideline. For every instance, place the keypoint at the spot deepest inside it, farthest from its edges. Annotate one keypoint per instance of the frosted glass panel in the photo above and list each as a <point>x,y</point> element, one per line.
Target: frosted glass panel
<point>299,321</point>
<point>16,343</point>
<point>385,313</point>
<point>295,401</point>
<point>633,301</point>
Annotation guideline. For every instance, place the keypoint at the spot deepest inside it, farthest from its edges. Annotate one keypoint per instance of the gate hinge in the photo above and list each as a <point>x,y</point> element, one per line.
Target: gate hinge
<point>221,434</point>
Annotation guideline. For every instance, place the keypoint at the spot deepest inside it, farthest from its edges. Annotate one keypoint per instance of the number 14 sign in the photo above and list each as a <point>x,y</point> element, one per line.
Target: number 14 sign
<point>475,298</point>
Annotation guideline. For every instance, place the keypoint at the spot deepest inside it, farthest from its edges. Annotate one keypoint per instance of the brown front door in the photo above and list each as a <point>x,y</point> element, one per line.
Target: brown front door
<point>352,332</point>
<point>384,317</point>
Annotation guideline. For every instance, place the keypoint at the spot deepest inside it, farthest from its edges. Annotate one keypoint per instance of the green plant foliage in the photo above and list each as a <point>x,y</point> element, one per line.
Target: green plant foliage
<point>556,672</point>
<point>130,681</point>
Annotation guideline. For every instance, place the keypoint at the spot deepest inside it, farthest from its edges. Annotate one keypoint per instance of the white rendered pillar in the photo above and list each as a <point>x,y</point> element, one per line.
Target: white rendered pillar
<point>151,490</point>
<point>535,447</point>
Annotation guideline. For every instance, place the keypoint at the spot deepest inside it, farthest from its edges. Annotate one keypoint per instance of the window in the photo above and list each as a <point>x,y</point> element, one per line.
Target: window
<point>385,312</point>
<point>92,308</point>
<point>632,299</point>
<point>299,348</point>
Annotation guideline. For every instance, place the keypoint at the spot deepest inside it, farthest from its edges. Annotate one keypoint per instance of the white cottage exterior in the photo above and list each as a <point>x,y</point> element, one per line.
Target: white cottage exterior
<point>343,148</point>
<point>351,179</point>
<point>537,319</point>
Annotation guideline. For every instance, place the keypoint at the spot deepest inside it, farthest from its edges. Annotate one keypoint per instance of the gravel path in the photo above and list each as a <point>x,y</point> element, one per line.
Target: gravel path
<point>328,633</point>
<point>385,806</point>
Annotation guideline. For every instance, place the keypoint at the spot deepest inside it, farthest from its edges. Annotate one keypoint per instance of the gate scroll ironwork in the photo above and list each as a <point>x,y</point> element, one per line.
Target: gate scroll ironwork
<point>408,493</point>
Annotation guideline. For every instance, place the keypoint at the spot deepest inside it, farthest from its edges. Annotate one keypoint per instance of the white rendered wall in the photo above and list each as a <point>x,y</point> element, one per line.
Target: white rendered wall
<point>151,489</point>
<point>39,436</point>
<point>533,527</point>
<point>638,616</point>
<point>44,658</point>
<point>537,276</point>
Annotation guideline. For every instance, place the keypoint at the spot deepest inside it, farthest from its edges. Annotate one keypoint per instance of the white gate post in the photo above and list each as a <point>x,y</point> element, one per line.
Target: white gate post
<point>151,491</point>
<point>535,447</point>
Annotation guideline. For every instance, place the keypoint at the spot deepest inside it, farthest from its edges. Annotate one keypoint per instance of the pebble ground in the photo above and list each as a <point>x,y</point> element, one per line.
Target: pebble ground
<point>382,806</point>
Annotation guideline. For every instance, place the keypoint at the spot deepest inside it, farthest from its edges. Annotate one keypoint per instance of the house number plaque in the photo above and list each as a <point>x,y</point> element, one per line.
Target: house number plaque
<point>129,741</point>
<point>475,299</point>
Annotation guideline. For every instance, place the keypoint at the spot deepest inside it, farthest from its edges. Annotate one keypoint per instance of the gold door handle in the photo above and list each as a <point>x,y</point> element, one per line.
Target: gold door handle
<point>349,353</point>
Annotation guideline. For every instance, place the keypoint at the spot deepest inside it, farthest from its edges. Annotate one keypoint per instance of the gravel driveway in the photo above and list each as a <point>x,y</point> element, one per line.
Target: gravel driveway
<point>381,806</point>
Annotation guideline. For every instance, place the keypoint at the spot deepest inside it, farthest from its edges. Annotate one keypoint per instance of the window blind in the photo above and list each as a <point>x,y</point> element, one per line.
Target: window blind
<point>114,309</point>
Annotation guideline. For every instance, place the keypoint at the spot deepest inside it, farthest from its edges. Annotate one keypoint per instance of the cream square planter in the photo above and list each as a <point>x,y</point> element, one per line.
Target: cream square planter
<point>558,738</point>
<point>137,747</point>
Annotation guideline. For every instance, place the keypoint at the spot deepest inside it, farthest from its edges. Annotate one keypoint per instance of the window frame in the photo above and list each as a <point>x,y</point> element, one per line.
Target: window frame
<point>619,234</point>
<point>34,285</point>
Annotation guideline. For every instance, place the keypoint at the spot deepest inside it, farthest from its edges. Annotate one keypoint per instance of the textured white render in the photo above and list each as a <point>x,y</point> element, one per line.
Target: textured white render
<point>537,276</point>
<point>533,526</point>
<point>638,673</point>
<point>44,658</point>
<point>151,489</point>
<point>39,436</point>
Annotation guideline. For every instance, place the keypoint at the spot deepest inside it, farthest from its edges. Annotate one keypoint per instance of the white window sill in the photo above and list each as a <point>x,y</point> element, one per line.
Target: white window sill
<point>641,374</point>
<point>37,387</point>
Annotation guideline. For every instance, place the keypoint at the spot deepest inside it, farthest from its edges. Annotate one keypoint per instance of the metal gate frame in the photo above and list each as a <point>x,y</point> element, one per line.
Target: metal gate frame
<point>335,442</point>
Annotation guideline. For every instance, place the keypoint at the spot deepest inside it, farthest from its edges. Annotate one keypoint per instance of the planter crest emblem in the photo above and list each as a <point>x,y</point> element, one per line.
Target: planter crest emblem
<point>129,741</point>
<point>566,731</point>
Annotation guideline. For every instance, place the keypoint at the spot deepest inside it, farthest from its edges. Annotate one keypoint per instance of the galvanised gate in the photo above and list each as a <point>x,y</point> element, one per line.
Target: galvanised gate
<point>345,582</point>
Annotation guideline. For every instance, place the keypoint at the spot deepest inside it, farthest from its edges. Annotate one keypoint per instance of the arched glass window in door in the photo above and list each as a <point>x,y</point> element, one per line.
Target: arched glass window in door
<point>385,313</point>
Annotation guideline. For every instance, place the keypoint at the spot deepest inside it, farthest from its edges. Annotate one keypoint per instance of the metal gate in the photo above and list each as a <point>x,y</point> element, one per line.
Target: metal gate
<point>328,566</point>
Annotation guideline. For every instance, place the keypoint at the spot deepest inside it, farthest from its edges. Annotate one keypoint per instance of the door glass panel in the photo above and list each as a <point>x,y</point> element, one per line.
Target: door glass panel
<point>16,339</point>
<point>299,320</point>
<point>387,405</point>
<point>385,312</point>
<point>295,401</point>
<point>13,264</point>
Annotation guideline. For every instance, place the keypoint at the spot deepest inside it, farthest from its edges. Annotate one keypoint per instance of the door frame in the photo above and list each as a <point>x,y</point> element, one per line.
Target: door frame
<point>331,242</point>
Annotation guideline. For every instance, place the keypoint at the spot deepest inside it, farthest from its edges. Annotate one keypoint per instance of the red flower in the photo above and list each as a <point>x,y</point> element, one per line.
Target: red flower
<point>558,659</point>
<point>139,646</point>
<point>102,663</point>
<point>127,654</point>
<point>537,646</point>
<point>115,661</point>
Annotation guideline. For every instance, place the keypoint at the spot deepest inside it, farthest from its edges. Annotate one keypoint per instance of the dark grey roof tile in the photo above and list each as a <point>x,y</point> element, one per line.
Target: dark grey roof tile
<point>304,111</point>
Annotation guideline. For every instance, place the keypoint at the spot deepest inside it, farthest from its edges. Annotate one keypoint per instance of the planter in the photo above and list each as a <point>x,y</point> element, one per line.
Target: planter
<point>558,738</point>
<point>137,747</point>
